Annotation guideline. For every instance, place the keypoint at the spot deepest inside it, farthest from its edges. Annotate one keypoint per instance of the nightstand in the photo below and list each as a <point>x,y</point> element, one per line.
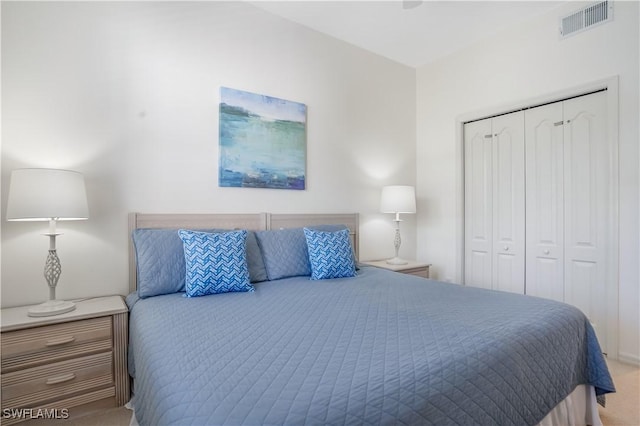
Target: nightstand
<point>63,365</point>
<point>413,268</point>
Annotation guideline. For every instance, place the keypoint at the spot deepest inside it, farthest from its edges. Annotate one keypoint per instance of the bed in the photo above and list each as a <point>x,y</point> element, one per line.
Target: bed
<point>375,348</point>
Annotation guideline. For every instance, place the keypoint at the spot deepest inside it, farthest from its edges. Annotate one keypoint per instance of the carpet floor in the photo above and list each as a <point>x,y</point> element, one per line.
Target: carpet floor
<point>622,407</point>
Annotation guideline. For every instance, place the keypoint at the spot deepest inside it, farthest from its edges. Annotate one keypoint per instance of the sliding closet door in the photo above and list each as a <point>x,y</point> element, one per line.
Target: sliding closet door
<point>545,202</point>
<point>586,184</point>
<point>508,202</point>
<point>478,203</point>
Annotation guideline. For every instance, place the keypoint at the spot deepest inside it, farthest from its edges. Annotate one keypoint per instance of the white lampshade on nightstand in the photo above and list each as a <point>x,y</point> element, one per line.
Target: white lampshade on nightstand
<point>398,199</point>
<point>48,195</point>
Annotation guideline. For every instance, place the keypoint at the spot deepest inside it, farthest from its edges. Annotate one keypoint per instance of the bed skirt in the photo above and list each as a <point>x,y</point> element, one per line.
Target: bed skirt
<point>580,408</point>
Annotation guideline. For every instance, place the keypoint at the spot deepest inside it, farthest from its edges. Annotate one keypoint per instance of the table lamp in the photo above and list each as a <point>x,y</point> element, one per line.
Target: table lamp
<point>398,199</point>
<point>48,195</point>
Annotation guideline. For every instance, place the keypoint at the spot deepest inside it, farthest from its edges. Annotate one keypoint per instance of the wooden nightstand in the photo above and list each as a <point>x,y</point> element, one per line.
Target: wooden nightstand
<point>413,268</point>
<point>63,365</point>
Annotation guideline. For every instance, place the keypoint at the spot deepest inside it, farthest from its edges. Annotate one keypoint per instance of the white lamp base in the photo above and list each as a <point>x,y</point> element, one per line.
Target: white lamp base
<point>397,261</point>
<point>51,307</point>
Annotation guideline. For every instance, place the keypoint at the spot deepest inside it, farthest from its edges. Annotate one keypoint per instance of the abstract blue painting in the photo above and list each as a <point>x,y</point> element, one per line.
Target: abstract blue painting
<point>262,141</point>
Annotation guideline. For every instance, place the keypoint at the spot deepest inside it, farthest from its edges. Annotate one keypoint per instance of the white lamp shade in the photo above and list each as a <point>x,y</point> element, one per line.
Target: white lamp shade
<point>44,194</point>
<point>398,199</point>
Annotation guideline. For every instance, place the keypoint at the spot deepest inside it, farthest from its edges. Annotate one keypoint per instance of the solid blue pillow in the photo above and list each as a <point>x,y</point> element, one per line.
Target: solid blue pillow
<point>159,261</point>
<point>284,252</point>
<point>330,254</point>
<point>215,263</point>
<point>257,270</point>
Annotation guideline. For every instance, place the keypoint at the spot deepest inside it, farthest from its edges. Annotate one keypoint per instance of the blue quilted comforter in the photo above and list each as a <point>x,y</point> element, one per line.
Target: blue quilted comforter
<point>381,348</point>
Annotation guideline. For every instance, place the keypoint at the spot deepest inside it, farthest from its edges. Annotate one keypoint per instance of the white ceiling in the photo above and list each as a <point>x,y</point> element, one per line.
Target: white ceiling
<point>415,36</point>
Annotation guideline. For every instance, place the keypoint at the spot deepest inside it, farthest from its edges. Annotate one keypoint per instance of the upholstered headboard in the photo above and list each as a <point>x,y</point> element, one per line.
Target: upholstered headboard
<point>252,221</point>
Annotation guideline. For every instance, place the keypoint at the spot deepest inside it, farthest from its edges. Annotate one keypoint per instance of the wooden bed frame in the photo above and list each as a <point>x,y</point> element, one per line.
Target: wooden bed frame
<point>252,221</point>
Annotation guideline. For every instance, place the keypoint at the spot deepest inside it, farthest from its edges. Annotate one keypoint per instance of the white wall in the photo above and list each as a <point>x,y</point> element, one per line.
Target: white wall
<point>523,63</point>
<point>128,95</point>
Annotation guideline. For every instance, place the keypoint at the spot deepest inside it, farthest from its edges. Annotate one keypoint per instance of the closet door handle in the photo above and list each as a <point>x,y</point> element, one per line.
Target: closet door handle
<point>546,252</point>
<point>506,248</point>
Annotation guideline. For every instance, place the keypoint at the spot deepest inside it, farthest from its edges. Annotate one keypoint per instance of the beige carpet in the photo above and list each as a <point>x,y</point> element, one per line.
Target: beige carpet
<point>623,407</point>
<point>120,416</point>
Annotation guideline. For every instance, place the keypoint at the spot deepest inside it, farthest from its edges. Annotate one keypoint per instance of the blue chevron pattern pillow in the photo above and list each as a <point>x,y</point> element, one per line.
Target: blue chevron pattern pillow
<point>330,254</point>
<point>215,263</point>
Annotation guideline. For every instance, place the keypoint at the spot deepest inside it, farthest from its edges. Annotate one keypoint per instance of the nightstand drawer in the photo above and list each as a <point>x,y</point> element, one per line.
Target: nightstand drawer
<point>36,346</point>
<point>418,272</point>
<point>34,386</point>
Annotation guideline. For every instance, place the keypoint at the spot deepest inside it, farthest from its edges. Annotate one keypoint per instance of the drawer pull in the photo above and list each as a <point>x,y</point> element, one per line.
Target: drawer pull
<point>60,341</point>
<point>60,379</point>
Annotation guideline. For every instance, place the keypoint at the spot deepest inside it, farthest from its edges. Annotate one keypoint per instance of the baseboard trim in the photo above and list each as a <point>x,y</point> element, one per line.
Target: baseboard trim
<point>628,358</point>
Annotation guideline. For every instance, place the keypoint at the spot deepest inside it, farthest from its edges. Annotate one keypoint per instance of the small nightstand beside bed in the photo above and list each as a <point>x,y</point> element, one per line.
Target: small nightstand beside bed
<point>378,347</point>
<point>64,365</point>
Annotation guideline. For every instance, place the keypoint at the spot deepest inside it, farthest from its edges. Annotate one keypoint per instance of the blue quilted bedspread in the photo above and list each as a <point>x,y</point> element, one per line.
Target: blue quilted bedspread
<point>381,348</point>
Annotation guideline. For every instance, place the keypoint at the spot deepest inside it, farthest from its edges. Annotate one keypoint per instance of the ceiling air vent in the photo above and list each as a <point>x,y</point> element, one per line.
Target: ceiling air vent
<point>585,18</point>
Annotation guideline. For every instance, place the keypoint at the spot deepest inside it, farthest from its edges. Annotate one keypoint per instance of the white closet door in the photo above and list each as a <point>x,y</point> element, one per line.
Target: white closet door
<point>586,183</point>
<point>508,203</point>
<point>544,202</point>
<point>478,203</point>
<point>538,205</point>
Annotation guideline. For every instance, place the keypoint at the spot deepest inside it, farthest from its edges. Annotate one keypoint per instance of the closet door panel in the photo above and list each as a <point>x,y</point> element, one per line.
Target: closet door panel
<point>586,175</point>
<point>508,202</point>
<point>544,202</point>
<point>478,203</point>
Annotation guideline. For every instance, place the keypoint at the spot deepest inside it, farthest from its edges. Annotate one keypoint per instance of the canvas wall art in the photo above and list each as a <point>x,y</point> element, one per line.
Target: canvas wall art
<point>262,141</point>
